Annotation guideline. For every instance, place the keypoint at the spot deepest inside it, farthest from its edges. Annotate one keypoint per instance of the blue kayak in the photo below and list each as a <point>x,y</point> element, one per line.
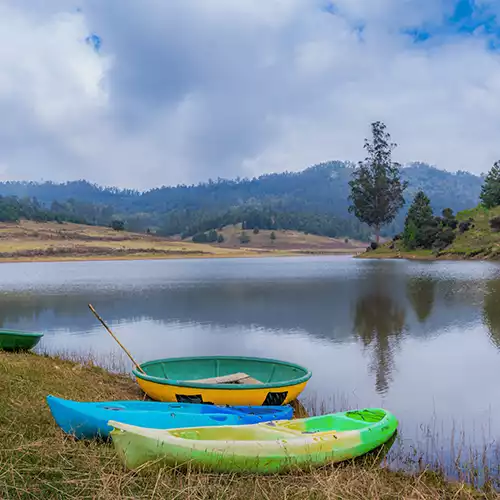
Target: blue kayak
<point>90,420</point>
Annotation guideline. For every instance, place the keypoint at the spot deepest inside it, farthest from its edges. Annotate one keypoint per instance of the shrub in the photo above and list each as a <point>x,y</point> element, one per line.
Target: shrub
<point>212,236</point>
<point>495,223</point>
<point>443,239</point>
<point>199,238</point>
<point>244,238</point>
<point>463,227</point>
<point>118,225</point>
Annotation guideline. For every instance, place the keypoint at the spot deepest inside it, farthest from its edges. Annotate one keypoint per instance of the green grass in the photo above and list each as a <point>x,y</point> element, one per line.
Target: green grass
<point>479,242</point>
<point>398,252</point>
<point>38,461</point>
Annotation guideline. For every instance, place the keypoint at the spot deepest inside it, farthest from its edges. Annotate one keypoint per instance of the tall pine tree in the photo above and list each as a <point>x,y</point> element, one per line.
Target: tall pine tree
<point>419,218</point>
<point>376,186</point>
<point>490,192</point>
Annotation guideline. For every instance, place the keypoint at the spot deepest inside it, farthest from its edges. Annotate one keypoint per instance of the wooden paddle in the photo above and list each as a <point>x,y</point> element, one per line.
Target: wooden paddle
<point>113,335</point>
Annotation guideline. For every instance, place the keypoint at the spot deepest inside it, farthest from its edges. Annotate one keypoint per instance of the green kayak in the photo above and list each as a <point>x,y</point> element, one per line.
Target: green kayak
<point>12,340</point>
<point>261,448</point>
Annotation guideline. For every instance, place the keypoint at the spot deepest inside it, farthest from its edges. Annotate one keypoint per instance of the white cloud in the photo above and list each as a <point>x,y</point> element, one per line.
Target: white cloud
<point>187,90</point>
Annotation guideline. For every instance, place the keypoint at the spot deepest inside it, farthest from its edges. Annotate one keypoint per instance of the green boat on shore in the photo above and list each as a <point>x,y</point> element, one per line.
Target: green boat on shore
<point>13,340</point>
<point>263,448</point>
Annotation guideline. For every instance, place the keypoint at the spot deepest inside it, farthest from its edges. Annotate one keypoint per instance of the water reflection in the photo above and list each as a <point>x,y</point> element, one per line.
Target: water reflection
<point>491,310</point>
<point>421,292</point>
<point>332,301</point>
<point>426,327</point>
<point>379,321</point>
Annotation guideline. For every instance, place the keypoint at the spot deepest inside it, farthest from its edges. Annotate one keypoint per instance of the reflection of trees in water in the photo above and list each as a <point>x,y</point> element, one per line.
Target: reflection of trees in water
<point>312,306</point>
<point>301,305</point>
<point>421,292</point>
<point>491,310</point>
<point>379,322</point>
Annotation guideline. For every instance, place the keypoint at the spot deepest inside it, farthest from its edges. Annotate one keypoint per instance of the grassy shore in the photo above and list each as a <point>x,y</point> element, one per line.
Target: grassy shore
<point>478,243</point>
<point>29,241</point>
<point>38,461</point>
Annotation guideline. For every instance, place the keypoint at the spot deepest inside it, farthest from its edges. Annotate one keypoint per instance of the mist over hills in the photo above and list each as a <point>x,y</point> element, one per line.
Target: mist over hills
<point>313,200</point>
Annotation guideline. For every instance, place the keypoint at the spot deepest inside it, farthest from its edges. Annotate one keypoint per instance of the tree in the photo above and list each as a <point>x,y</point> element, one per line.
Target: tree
<point>212,236</point>
<point>272,236</point>
<point>419,219</point>
<point>448,219</point>
<point>421,293</point>
<point>376,186</point>
<point>118,225</point>
<point>420,210</point>
<point>447,213</point>
<point>490,192</point>
<point>256,230</point>
<point>220,238</point>
<point>424,230</point>
<point>199,238</point>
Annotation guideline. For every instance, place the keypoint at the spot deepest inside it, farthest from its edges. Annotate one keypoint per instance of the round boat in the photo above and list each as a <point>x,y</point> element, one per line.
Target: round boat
<point>223,380</point>
<point>13,340</point>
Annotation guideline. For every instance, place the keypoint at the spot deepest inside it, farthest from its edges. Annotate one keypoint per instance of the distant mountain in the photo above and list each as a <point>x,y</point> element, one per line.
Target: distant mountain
<point>313,200</point>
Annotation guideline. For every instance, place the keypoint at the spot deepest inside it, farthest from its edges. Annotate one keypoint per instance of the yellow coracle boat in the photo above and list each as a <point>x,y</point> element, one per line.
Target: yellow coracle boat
<point>222,380</point>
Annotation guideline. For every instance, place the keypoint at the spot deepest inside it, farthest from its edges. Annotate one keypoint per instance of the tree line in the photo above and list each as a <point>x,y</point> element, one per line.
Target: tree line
<point>13,209</point>
<point>191,223</point>
<point>313,200</point>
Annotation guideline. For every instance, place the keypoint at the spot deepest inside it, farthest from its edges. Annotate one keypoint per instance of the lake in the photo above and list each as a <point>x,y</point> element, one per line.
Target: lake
<point>421,339</point>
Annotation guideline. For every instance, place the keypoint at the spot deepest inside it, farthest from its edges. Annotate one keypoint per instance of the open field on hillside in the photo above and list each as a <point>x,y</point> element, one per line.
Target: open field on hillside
<point>288,240</point>
<point>33,241</point>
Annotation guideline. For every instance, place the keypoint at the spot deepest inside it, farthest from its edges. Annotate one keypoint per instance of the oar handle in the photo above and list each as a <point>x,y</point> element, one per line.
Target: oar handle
<point>113,335</point>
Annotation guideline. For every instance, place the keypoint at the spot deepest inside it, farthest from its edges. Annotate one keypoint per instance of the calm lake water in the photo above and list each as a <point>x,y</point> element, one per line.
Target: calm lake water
<point>421,339</point>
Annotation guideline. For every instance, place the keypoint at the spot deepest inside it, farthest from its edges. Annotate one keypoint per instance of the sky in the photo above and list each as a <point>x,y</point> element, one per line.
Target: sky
<point>142,93</point>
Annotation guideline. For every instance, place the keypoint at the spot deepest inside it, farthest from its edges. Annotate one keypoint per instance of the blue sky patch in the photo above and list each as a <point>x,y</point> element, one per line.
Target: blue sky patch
<point>95,41</point>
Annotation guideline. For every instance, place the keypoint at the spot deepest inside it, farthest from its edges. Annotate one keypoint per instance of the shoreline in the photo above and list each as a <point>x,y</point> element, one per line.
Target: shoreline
<point>428,258</point>
<point>37,459</point>
<point>174,256</point>
<point>29,241</point>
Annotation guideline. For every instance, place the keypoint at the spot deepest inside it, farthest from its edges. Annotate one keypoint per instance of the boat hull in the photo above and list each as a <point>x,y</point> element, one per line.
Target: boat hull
<point>11,340</point>
<point>224,396</point>
<point>89,420</point>
<point>271,382</point>
<point>264,448</point>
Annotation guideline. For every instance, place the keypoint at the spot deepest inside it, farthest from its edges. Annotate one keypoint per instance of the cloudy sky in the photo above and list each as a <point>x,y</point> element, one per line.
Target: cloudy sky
<point>184,90</point>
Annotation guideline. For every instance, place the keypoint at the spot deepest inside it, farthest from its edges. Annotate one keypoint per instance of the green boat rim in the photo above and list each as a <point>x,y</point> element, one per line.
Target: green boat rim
<point>19,332</point>
<point>236,387</point>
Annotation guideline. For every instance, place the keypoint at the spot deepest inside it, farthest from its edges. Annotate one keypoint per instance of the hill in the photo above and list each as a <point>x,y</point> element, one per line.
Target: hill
<point>314,201</point>
<point>290,241</point>
<point>480,241</point>
<point>32,241</point>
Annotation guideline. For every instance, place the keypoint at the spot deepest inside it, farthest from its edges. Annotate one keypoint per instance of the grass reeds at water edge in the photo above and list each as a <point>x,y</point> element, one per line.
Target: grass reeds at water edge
<point>38,461</point>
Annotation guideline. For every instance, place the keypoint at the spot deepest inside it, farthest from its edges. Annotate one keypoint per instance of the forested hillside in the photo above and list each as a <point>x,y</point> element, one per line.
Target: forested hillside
<point>314,200</point>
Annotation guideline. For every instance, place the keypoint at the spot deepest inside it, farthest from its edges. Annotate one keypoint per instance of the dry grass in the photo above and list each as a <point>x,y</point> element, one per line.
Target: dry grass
<point>287,240</point>
<point>38,461</point>
<point>50,241</point>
